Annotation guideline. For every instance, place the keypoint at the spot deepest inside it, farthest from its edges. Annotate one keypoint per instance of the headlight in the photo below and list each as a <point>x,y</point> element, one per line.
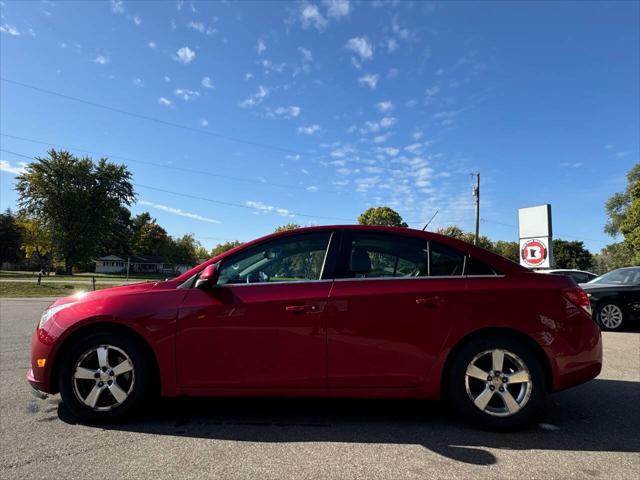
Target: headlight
<point>50,312</point>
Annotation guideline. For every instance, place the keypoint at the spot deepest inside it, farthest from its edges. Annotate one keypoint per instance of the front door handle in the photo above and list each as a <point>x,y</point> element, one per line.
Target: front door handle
<point>430,302</point>
<point>301,308</point>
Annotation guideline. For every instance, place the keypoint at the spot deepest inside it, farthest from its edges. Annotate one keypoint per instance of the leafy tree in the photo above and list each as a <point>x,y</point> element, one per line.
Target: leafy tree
<point>182,251</point>
<point>509,250</point>
<point>36,240</point>
<point>76,200</point>
<point>202,253</point>
<point>119,239</point>
<point>381,216</point>
<point>571,254</point>
<point>456,232</point>
<point>623,209</point>
<point>286,226</point>
<point>223,247</point>
<point>152,240</point>
<point>613,256</point>
<point>10,238</point>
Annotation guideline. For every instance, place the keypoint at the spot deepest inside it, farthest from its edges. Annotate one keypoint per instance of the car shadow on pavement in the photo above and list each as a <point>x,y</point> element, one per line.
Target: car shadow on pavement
<point>601,415</point>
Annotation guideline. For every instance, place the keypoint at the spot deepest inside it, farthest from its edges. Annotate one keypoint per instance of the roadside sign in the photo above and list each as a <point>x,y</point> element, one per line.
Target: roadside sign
<point>534,226</point>
<point>534,253</point>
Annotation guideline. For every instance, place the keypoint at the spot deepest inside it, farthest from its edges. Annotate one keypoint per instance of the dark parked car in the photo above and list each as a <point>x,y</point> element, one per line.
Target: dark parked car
<point>343,311</point>
<point>579,276</point>
<point>615,298</point>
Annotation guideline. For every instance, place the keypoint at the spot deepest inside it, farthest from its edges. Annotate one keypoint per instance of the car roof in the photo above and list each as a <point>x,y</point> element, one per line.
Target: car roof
<point>501,263</point>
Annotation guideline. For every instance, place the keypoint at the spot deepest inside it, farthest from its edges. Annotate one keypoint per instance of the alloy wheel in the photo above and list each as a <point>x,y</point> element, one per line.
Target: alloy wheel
<point>498,382</point>
<point>103,377</point>
<point>611,316</point>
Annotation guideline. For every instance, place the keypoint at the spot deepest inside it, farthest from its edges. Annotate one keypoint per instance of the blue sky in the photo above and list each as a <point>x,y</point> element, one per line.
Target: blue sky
<point>263,113</point>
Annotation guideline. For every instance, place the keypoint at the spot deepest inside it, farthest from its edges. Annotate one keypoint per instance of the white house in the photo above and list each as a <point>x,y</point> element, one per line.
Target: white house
<point>137,264</point>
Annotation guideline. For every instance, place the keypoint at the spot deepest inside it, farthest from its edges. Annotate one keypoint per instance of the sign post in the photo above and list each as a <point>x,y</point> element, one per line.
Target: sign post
<point>536,236</point>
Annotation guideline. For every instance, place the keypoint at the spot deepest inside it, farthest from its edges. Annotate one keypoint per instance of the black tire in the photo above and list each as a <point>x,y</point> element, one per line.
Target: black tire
<point>137,383</point>
<point>605,307</point>
<point>460,389</point>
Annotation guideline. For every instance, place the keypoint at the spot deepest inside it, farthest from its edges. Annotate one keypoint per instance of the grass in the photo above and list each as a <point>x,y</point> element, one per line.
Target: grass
<point>111,276</point>
<point>24,289</point>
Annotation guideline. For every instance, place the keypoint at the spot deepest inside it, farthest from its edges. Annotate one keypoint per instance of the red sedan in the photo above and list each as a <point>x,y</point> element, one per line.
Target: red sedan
<point>343,311</point>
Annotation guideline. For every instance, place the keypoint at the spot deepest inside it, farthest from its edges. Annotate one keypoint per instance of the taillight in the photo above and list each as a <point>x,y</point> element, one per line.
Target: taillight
<point>578,297</point>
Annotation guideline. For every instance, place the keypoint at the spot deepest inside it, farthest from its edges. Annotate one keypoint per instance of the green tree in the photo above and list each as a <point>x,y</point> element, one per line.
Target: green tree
<point>10,238</point>
<point>613,256</point>
<point>202,253</point>
<point>571,254</point>
<point>76,200</point>
<point>223,247</point>
<point>456,232</point>
<point>153,240</point>
<point>510,250</point>
<point>182,251</point>
<point>623,210</point>
<point>119,240</point>
<point>286,226</point>
<point>381,216</point>
<point>36,240</point>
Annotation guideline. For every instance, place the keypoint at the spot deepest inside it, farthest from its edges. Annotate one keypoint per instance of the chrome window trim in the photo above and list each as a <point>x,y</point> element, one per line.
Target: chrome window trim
<point>447,277</point>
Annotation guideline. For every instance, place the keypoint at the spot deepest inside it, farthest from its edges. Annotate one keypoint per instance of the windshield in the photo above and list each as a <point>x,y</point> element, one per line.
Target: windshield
<point>623,276</point>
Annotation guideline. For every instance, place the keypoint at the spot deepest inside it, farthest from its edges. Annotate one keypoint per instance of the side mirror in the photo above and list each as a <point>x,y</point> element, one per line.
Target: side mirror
<point>208,277</point>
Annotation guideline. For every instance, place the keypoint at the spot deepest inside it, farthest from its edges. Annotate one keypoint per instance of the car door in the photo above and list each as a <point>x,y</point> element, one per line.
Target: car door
<point>263,324</point>
<point>388,318</point>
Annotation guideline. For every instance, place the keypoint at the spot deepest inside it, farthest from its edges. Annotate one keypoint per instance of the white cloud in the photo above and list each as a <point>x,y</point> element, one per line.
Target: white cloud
<point>185,55</point>
<point>9,30</point>
<point>415,148</point>
<point>248,76</point>
<point>186,94</point>
<point>261,46</point>
<point>387,122</point>
<point>117,7</point>
<point>307,56</point>
<point>138,82</point>
<point>370,80</point>
<point>152,44</point>
<point>256,98</point>
<point>309,129</point>
<point>178,211</point>
<point>284,112</point>
<point>312,188</point>
<point>386,106</point>
<point>204,122</point>
<point>264,208</point>
<point>361,46</point>
<point>202,28</point>
<point>393,73</point>
<point>101,60</point>
<point>381,138</point>
<point>167,79</point>
<point>269,66</point>
<point>392,45</point>
<point>206,82</point>
<point>5,166</point>
<point>391,151</point>
<point>164,101</point>
<point>430,92</point>
<point>137,20</point>
<point>310,16</point>
<point>571,164</point>
<point>337,8</point>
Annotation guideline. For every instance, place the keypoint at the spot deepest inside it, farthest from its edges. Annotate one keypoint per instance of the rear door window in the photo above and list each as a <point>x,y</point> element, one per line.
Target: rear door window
<point>445,261</point>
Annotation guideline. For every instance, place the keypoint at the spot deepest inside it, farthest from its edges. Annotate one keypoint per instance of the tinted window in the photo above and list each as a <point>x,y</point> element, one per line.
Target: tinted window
<point>445,261</point>
<point>293,258</point>
<point>374,255</point>
<point>476,267</point>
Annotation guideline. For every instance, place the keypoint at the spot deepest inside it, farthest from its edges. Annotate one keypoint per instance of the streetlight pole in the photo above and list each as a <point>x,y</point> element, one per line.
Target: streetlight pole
<point>476,193</point>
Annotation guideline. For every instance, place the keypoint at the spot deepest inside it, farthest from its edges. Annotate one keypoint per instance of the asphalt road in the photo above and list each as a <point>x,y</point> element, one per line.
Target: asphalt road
<point>591,431</point>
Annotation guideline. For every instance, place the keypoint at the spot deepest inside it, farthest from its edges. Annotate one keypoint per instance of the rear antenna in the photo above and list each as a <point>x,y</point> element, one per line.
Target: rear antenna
<point>430,220</point>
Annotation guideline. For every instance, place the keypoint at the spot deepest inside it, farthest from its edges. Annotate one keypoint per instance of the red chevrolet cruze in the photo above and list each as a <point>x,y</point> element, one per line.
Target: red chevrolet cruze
<point>344,311</point>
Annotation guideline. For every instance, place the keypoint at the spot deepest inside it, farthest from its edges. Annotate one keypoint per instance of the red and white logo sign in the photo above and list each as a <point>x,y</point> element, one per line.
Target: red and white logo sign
<point>534,252</point>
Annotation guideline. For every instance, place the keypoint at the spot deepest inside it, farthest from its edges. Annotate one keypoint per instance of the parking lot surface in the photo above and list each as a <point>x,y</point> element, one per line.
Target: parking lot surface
<point>590,431</point>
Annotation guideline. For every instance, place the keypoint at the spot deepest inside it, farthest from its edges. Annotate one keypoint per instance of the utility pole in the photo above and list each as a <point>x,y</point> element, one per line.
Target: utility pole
<point>476,193</point>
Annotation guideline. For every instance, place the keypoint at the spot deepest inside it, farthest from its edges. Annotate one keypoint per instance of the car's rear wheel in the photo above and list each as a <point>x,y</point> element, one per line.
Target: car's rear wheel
<point>610,316</point>
<point>104,378</point>
<point>497,382</point>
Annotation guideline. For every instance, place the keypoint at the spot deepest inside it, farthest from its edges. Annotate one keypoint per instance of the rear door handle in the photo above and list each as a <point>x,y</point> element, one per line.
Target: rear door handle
<point>430,302</point>
<point>301,308</point>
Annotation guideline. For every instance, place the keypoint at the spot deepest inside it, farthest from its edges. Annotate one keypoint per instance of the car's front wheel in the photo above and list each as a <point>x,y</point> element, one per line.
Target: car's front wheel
<point>497,382</point>
<point>104,377</point>
<point>610,316</point>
